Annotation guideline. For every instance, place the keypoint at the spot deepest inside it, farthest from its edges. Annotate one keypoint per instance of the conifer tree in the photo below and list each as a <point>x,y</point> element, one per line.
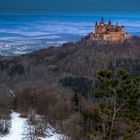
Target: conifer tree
<point>118,96</point>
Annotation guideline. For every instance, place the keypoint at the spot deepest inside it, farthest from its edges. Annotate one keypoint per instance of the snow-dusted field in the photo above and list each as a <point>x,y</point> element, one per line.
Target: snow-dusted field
<point>17,129</point>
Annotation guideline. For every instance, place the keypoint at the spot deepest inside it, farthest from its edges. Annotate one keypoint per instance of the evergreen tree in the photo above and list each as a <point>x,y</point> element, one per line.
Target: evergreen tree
<point>118,95</point>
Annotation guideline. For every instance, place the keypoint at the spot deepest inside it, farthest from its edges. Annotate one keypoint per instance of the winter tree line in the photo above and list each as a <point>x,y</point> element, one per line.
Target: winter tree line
<point>111,112</point>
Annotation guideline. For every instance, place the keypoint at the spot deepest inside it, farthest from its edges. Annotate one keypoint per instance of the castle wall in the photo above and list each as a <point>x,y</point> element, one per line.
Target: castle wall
<point>113,36</point>
<point>107,37</point>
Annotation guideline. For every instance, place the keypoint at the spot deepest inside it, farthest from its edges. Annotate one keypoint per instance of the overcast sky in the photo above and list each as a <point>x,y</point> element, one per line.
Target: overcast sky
<point>23,5</point>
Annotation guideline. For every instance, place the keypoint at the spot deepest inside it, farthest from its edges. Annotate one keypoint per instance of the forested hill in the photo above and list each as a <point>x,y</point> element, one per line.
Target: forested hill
<point>53,65</point>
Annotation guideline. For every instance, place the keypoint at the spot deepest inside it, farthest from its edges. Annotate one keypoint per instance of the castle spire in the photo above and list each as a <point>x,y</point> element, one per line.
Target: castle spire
<point>102,19</point>
<point>96,23</point>
<point>117,24</point>
<point>109,23</point>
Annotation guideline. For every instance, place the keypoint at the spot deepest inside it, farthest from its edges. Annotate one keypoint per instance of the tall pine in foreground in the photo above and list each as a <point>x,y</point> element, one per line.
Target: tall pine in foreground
<point>118,95</point>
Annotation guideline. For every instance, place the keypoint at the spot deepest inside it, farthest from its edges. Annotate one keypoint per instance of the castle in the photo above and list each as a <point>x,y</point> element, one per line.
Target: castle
<point>109,32</point>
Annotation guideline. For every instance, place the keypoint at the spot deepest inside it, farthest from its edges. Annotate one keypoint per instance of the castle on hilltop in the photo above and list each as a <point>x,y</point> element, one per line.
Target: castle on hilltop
<point>109,32</point>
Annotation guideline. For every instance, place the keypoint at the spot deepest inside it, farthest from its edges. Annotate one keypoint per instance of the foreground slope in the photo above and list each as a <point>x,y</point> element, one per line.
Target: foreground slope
<point>17,129</point>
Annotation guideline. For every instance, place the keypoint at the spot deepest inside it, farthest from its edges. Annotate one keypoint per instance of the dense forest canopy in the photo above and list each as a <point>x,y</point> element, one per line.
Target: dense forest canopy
<point>82,89</point>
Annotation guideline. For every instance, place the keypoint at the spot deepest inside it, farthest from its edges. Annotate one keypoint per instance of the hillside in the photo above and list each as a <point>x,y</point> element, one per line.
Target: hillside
<point>60,86</point>
<point>46,67</point>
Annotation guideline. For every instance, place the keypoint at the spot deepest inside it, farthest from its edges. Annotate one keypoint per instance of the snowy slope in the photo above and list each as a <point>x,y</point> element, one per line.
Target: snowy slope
<point>17,128</point>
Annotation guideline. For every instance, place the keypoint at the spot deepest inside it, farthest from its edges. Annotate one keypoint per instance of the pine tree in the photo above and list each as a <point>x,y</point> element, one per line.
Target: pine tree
<point>118,95</point>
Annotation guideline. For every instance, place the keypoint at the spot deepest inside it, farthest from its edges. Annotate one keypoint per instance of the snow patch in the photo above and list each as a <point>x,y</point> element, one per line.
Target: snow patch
<point>17,129</point>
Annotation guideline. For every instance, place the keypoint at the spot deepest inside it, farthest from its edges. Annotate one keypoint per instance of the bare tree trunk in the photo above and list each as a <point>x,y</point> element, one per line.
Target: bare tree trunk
<point>112,126</point>
<point>113,119</point>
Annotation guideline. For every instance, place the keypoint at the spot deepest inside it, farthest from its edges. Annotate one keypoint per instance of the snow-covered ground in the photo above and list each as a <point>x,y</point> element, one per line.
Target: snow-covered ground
<point>17,129</point>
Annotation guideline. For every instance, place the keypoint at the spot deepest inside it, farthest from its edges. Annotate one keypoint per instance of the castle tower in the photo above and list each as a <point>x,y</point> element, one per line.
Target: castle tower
<point>102,21</point>
<point>96,27</point>
<point>109,23</point>
<point>122,29</point>
<point>96,24</point>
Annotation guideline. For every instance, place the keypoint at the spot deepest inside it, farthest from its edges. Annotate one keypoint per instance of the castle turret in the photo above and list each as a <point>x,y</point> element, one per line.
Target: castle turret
<point>96,24</point>
<point>122,29</point>
<point>109,23</point>
<point>96,27</point>
<point>102,21</point>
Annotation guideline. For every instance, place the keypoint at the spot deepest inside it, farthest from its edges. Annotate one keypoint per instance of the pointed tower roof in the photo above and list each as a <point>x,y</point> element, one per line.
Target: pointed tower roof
<point>109,22</point>
<point>96,23</point>
<point>102,21</point>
